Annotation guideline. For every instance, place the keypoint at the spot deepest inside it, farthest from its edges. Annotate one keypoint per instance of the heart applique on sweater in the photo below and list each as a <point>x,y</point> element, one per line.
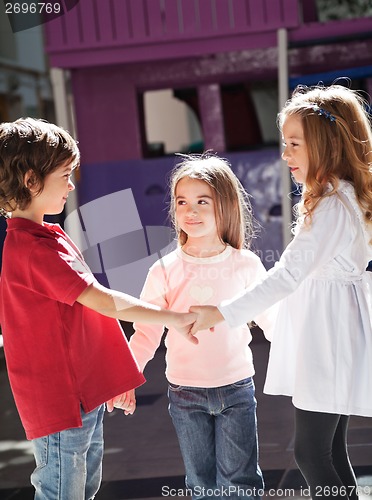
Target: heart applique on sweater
<point>201,293</point>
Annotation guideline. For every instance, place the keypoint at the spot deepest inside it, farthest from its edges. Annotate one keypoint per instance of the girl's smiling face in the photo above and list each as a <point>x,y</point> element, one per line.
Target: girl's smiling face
<point>295,148</point>
<point>195,209</point>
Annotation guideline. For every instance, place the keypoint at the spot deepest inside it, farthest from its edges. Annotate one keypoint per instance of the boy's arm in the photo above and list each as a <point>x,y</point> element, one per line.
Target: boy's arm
<point>127,308</point>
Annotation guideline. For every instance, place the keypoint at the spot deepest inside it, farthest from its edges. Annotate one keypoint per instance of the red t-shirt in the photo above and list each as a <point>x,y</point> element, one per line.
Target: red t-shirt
<point>59,353</point>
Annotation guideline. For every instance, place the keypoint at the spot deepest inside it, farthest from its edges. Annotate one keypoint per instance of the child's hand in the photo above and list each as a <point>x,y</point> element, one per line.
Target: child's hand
<point>207,317</point>
<point>183,323</point>
<point>125,402</point>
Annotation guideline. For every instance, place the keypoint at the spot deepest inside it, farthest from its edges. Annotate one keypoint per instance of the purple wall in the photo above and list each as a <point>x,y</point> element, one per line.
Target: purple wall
<point>121,31</point>
<point>103,197</point>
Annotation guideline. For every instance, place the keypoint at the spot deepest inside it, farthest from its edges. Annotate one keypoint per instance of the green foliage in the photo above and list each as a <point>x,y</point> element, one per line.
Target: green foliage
<point>343,9</point>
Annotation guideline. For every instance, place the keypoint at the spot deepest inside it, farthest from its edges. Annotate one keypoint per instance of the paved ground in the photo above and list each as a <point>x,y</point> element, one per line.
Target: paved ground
<point>142,458</point>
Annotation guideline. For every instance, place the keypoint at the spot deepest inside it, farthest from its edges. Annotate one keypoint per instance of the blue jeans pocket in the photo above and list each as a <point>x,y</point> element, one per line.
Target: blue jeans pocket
<point>174,387</point>
<point>245,382</point>
<point>40,446</point>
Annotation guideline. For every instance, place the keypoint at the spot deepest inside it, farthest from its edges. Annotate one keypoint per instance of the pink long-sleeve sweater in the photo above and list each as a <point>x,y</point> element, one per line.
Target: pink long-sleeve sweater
<point>178,281</point>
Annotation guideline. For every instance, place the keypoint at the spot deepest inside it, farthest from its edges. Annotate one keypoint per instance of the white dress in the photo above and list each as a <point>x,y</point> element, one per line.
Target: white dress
<point>321,350</point>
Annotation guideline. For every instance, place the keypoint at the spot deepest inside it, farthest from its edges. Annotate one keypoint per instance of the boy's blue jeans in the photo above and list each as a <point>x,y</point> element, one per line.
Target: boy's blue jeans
<point>217,433</point>
<point>69,463</point>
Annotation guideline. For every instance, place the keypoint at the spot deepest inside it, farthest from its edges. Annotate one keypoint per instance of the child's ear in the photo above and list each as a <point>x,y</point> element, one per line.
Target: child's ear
<point>29,180</point>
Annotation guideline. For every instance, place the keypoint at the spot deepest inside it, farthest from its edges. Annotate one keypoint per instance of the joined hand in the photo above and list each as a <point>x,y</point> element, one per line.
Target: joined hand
<point>207,318</point>
<point>125,402</point>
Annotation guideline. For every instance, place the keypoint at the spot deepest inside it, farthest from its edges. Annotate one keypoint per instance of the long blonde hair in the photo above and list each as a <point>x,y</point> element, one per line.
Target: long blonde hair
<point>233,209</point>
<point>338,136</point>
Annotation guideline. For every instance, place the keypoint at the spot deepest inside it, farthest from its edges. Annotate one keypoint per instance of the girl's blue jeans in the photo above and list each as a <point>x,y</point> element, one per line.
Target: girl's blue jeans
<point>217,433</point>
<point>69,463</point>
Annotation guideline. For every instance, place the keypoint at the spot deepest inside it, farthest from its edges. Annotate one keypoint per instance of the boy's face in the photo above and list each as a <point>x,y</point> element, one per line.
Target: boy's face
<point>53,197</point>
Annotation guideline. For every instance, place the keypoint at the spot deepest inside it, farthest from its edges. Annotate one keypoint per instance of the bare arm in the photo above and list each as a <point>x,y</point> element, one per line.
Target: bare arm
<point>127,308</point>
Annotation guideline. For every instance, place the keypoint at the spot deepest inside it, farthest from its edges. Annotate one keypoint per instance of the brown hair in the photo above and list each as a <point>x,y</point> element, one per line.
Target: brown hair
<point>30,144</point>
<point>338,137</point>
<point>232,206</point>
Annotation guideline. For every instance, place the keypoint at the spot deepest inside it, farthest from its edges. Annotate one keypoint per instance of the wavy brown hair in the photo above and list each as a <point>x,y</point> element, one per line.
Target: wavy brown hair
<point>233,209</point>
<point>30,144</point>
<point>338,136</point>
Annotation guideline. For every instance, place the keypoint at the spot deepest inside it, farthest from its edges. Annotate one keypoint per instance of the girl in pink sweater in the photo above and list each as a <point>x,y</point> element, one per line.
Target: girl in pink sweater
<point>211,389</point>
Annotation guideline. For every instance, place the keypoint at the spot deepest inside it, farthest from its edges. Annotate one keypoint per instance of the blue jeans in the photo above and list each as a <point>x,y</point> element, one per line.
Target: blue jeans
<point>217,433</point>
<point>69,463</point>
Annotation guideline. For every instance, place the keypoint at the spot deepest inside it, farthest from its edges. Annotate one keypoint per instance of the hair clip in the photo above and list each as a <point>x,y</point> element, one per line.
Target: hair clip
<point>323,112</point>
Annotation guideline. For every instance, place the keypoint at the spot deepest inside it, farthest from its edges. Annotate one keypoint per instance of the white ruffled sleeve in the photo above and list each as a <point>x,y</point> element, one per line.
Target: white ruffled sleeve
<point>310,249</point>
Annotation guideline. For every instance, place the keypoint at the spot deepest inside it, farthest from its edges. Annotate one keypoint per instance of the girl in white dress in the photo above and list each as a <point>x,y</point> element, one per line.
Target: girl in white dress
<point>321,351</point>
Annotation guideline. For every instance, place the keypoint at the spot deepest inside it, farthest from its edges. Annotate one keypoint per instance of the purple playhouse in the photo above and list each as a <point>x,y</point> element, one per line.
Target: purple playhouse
<point>210,52</point>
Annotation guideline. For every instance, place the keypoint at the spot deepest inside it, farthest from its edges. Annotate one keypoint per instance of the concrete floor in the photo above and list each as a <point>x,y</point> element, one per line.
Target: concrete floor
<point>142,457</point>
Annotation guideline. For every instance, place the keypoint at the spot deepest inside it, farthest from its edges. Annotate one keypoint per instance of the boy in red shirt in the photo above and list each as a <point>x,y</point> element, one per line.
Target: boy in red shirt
<point>66,353</point>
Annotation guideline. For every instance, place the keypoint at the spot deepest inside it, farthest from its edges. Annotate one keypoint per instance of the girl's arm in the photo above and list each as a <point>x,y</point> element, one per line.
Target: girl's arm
<point>267,319</point>
<point>147,337</point>
<point>310,249</point>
